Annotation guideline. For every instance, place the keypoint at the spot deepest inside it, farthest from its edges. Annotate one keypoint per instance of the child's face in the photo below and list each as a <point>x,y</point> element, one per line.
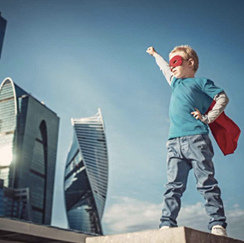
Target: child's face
<point>180,67</point>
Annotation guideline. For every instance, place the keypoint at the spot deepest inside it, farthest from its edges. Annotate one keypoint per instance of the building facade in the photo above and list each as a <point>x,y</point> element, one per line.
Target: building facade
<point>28,148</point>
<point>3,24</point>
<point>15,203</point>
<point>86,175</point>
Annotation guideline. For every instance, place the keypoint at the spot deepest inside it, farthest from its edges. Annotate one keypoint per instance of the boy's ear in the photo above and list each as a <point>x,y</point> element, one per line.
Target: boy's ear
<point>191,62</point>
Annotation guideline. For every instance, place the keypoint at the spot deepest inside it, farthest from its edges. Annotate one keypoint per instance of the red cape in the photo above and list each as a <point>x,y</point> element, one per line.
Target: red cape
<point>225,132</point>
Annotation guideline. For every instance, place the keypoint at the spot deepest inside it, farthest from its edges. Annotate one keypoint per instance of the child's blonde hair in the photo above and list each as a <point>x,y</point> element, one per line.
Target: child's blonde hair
<point>189,53</point>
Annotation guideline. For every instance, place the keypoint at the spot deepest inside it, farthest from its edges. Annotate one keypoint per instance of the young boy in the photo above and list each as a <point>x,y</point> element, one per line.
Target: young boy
<point>188,145</point>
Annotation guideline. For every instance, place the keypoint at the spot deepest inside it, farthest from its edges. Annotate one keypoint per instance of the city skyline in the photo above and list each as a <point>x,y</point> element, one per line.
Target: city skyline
<point>80,55</point>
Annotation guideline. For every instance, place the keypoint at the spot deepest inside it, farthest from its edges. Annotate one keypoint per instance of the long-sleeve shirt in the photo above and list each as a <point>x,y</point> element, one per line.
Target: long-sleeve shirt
<point>220,98</point>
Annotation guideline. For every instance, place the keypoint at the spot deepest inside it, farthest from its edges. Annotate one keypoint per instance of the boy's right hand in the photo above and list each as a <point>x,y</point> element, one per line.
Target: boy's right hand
<point>151,50</point>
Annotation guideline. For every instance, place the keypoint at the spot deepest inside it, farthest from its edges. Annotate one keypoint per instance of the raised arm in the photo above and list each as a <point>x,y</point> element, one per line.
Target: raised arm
<point>163,65</point>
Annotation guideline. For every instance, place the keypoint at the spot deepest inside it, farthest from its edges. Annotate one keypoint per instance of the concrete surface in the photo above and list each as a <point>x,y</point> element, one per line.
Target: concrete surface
<point>172,235</point>
<point>19,231</point>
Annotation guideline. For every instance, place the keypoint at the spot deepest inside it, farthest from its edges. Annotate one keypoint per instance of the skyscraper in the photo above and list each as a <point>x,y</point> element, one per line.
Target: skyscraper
<point>3,24</point>
<point>86,175</point>
<point>28,147</point>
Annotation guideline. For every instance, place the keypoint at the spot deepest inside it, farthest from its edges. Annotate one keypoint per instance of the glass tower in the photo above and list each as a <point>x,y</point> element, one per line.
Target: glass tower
<point>28,147</point>
<point>3,24</point>
<point>86,175</point>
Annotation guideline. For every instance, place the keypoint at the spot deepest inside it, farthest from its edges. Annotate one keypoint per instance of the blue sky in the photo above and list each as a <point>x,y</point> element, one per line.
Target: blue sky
<point>78,55</point>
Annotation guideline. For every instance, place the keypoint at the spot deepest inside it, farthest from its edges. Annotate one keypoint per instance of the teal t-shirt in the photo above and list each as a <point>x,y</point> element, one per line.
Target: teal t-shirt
<point>188,94</point>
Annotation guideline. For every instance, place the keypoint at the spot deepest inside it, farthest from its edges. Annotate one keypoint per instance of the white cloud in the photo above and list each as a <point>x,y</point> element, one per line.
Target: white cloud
<point>130,215</point>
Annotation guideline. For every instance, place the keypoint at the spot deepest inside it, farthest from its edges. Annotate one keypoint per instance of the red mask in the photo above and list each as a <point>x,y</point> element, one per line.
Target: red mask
<point>175,61</point>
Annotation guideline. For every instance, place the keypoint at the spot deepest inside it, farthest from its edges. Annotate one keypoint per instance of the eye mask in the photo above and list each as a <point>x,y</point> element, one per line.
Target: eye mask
<point>175,61</point>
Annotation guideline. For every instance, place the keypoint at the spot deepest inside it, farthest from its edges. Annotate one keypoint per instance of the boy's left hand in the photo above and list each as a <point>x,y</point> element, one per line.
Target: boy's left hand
<point>197,114</point>
<point>151,51</point>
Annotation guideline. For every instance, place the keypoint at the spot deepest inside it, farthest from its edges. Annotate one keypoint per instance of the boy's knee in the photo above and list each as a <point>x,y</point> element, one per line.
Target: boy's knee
<point>175,188</point>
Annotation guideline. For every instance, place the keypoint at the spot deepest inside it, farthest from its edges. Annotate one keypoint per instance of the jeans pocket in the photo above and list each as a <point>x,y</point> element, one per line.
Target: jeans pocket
<point>203,145</point>
<point>208,142</point>
<point>171,149</point>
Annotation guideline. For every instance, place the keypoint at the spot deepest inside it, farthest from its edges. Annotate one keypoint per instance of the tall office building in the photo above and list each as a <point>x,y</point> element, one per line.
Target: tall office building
<point>3,24</point>
<point>86,175</point>
<point>28,147</point>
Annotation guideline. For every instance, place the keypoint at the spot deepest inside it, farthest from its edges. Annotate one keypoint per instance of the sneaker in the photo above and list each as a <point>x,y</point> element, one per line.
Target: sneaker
<point>164,227</point>
<point>219,230</point>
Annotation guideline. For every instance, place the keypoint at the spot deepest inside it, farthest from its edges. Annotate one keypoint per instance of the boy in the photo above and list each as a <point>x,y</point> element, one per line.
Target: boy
<point>189,146</point>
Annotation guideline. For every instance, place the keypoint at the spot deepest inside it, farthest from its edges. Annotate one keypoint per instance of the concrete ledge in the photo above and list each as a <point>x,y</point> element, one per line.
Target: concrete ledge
<point>172,235</point>
<point>19,231</point>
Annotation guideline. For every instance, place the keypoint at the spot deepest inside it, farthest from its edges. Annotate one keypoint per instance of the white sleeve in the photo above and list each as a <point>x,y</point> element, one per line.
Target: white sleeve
<point>164,67</point>
<point>221,102</point>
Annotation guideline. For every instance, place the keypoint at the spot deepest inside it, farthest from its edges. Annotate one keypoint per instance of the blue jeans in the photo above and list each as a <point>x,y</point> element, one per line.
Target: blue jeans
<point>185,153</point>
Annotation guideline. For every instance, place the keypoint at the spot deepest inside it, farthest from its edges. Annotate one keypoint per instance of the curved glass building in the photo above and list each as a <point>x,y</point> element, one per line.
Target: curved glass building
<point>28,147</point>
<point>86,175</point>
<point>8,125</point>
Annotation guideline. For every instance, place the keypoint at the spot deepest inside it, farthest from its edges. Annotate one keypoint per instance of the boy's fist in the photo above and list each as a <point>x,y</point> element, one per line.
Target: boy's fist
<point>151,50</point>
